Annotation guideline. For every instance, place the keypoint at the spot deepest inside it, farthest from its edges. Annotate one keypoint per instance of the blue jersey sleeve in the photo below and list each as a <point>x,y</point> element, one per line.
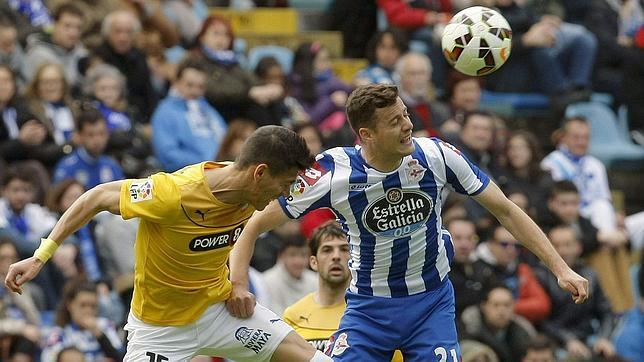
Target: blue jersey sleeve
<point>311,190</point>
<point>464,176</point>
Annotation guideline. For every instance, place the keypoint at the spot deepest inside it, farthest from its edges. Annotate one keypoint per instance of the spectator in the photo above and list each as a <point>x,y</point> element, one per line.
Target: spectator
<point>501,254</point>
<point>605,251</point>
<point>383,51</point>
<point>22,135</point>
<point>119,30</point>
<point>540,349</point>
<point>267,251</point>
<point>19,318</point>
<point>495,324</point>
<point>468,278</point>
<point>238,131</point>
<point>414,80</point>
<point>290,279</point>
<point>78,325</point>
<point>230,88</point>
<point>49,100</point>
<point>463,95</point>
<point>570,324</point>
<point>10,11</point>
<point>88,163</point>
<point>127,142</point>
<point>70,354</point>
<point>62,47</point>
<point>185,128</point>
<point>628,335</point>
<point>186,16</point>
<point>311,135</point>
<point>285,110</point>
<point>11,53</point>
<point>521,171</point>
<point>321,93</point>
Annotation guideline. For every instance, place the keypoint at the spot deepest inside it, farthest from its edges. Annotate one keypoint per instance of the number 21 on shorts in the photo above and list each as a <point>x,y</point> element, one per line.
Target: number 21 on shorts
<point>442,354</point>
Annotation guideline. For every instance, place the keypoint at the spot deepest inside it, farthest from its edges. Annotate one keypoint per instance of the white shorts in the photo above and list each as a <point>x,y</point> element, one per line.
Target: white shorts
<point>216,333</point>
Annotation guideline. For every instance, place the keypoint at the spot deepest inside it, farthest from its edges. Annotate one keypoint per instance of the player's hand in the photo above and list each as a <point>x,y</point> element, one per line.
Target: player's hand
<point>241,303</point>
<point>21,272</point>
<point>575,284</point>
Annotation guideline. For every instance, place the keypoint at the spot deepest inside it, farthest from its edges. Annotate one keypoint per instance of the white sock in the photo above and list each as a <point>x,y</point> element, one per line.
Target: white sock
<point>321,357</point>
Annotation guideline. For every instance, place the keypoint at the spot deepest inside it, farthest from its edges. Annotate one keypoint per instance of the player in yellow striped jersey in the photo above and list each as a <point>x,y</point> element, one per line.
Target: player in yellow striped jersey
<point>317,316</point>
<point>189,221</point>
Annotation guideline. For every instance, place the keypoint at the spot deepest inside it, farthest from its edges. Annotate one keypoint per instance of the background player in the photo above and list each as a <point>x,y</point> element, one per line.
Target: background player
<point>387,192</point>
<point>190,220</point>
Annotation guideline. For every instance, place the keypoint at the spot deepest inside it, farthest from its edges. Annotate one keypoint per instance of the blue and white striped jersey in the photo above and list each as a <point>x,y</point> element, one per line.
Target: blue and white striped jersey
<point>398,244</point>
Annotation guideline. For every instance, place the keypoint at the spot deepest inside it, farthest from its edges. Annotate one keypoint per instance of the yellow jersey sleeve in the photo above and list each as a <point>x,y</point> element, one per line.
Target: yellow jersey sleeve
<point>156,199</point>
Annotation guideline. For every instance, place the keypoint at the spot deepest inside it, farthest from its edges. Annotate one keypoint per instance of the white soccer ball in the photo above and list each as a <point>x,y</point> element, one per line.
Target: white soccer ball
<point>477,41</point>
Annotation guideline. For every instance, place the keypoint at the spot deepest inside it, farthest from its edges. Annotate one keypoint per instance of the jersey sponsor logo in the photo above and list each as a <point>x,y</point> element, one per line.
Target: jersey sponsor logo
<point>253,339</point>
<point>141,191</point>
<point>215,241</point>
<point>340,344</point>
<point>359,187</point>
<point>398,213</point>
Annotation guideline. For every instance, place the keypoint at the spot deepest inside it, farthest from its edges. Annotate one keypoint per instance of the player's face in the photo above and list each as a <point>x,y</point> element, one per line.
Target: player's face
<point>269,187</point>
<point>392,134</point>
<point>332,261</point>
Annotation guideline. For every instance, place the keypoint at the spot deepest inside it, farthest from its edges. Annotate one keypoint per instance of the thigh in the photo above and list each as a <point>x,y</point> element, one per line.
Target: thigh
<point>252,339</point>
<point>434,337</point>
<point>360,338</point>
<point>148,343</point>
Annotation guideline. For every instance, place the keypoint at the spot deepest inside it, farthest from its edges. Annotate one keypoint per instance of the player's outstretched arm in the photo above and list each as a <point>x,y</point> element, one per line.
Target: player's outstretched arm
<point>241,302</point>
<point>104,197</point>
<point>526,231</point>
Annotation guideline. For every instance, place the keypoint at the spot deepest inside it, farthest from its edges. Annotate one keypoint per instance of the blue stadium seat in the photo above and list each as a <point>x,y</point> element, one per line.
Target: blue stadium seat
<point>283,55</point>
<point>607,142</point>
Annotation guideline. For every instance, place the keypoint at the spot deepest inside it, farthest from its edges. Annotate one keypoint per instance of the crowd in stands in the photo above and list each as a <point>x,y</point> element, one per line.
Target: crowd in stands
<point>96,91</point>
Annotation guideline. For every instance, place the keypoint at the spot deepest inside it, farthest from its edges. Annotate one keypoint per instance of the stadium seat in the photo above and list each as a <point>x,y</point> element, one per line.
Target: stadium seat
<point>607,142</point>
<point>283,55</point>
<point>309,4</point>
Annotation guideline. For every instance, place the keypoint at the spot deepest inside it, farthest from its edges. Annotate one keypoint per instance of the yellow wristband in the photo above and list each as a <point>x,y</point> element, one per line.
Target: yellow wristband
<point>46,249</point>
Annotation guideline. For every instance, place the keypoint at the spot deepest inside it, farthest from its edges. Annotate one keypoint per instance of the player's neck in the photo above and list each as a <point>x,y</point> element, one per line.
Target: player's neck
<point>329,295</point>
<point>227,184</point>
<point>380,161</point>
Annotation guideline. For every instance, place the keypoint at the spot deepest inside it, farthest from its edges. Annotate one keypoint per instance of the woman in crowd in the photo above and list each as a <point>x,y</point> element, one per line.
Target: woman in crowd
<point>383,51</point>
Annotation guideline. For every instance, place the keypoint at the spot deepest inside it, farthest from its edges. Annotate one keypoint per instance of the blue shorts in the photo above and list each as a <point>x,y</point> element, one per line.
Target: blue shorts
<point>421,326</point>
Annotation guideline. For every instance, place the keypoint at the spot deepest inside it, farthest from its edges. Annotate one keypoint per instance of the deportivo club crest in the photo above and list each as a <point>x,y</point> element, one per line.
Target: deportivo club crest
<point>414,171</point>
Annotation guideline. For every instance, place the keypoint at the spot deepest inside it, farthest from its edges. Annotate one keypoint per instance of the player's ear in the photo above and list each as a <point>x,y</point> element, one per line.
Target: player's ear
<point>364,133</point>
<point>260,170</point>
<point>313,262</point>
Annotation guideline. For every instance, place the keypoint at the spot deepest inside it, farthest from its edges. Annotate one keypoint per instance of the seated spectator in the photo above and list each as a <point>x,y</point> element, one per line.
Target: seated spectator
<point>230,88</point>
<point>19,318</point>
<point>520,169</point>
<point>468,278</point>
<point>383,51</point>
<point>321,93</point>
<point>628,335</point>
<point>11,53</point>
<point>49,100</point>
<point>272,243</point>
<point>88,163</point>
<point>78,325</point>
<point>539,48</point>
<point>605,251</point>
<point>290,279</point>
<point>119,30</point>
<point>107,86</point>
<point>501,254</point>
<point>238,131</point>
<point>540,349</point>
<point>495,324</point>
<point>414,80</point>
<point>63,46</point>
<point>22,135</point>
<point>185,128</point>
<point>463,95</point>
<point>570,324</point>
<point>285,110</point>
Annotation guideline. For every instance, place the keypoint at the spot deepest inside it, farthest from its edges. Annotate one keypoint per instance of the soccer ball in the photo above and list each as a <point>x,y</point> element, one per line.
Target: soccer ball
<point>477,41</point>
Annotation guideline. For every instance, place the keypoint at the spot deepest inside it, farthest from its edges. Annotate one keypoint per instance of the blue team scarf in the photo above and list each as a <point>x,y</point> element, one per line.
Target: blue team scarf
<point>223,57</point>
<point>574,158</point>
<point>34,10</point>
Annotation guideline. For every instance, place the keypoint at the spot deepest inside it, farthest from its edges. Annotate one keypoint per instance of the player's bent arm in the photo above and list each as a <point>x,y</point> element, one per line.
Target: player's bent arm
<point>261,221</point>
<point>521,226</point>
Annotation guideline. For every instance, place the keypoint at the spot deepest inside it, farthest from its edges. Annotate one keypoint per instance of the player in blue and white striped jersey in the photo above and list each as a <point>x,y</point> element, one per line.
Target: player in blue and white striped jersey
<point>387,194</point>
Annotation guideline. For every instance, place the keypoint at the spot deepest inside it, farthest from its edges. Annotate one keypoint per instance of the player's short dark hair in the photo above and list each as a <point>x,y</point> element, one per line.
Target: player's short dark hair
<point>276,146</point>
<point>191,63</point>
<point>88,114</point>
<point>329,229</point>
<point>68,8</point>
<point>363,102</point>
<point>562,187</point>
